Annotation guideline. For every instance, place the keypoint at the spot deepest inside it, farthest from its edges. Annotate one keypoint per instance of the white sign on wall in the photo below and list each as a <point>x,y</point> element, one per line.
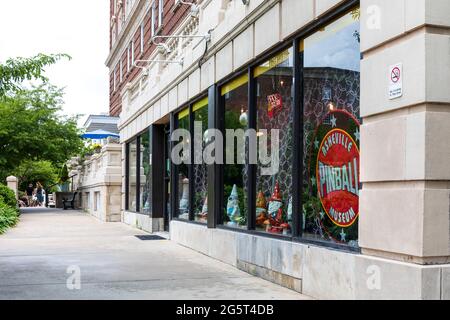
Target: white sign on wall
<point>395,81</point>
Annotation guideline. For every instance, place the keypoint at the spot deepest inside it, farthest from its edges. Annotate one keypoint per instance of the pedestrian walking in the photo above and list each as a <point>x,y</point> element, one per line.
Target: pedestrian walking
<point>39,193</point>
<point>29,191</point>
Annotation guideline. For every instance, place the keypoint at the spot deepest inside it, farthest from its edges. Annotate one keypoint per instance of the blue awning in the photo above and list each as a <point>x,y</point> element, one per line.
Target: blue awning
<point>99,134</point>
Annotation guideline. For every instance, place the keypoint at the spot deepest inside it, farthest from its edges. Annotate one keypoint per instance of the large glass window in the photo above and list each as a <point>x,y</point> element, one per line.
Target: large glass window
<point>274,90</point>
<point>200,170</point>
<point>145,193</point>
<point>235,102</point>
<point>331,131</point>
<point>327,199</point>
<point>132,175</point>
<point>183,169</point>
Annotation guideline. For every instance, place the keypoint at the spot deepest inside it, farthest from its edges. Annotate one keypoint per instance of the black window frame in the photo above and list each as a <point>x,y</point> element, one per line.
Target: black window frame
<point>216,120</point>
<point>175,207</point>
<point>138,170</point>
<point>137,139</point>
<point>127,173</point>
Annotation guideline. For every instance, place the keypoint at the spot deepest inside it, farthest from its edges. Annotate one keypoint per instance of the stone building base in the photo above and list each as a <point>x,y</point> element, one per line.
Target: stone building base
<point>143,222</point>
<point>103,202</point>
<point>321,273</point>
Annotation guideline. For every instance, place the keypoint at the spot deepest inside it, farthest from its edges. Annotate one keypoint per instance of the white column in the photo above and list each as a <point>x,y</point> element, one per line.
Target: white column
<point>405,149</point>
<point>12,183</point>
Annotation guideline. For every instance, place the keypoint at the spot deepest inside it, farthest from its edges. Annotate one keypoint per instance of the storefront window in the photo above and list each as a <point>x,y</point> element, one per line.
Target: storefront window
<point>132,175</point>
<point>235,97</point>
<point>183,171</point>
<point>145,174</point>
<point>200,171</point>
<point>274,88</point>
<point>331,132</point>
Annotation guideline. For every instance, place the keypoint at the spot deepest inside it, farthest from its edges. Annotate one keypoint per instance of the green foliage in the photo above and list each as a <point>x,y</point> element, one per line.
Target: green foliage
<point>33,129</point>
<point>64,174</point>
<point>89,149</point>
<point>9,216</point>
<point>7,196</point>
<point>14,71</point>
<point>356,13</point>
<point>33,171</point>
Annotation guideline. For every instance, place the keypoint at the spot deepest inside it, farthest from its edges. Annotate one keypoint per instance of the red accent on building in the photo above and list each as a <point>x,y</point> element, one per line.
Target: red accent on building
<point>171,20</point>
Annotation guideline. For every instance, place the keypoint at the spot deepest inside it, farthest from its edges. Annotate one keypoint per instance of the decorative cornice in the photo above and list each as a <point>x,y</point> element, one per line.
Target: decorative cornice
<point>215,47</point>
<point>122,39</point>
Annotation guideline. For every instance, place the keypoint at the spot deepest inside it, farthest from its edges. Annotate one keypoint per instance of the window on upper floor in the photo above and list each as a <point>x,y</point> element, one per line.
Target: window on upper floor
<point>128,6</point>
<point>128,58</point>
<point>160,13</point>
<point>157,16</point>
<point>113,34</point>
<point>120,14</point>
<point>152,19</point>
<point>121,70</point>
<point>142,38</point>
<point>114,79</point>
<point>132,52</point>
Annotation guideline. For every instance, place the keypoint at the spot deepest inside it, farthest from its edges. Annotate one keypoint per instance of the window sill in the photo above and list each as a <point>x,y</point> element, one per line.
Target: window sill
<point>190,222</point>
<point>317,243</point>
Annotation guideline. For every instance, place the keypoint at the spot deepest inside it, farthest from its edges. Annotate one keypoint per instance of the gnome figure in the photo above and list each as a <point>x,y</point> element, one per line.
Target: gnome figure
<point>289,211</point>
<point>204,213</point>
<point>275,211</point>
<point>184,202</point>
<point>261,209</point>
<point>233,211</point>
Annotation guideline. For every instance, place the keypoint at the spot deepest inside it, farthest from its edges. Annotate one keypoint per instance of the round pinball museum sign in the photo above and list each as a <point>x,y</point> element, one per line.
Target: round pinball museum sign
<point>337,175</point>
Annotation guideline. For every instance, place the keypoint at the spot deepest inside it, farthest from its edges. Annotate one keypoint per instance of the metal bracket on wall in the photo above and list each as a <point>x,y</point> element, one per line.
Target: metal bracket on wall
<point>194,7</point>
<point>206,37</point>
<point>147,62</point>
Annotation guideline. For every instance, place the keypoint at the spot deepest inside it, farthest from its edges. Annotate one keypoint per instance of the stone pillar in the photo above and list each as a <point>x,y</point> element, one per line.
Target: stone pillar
<point>13,183</point>
<point>405,145</point>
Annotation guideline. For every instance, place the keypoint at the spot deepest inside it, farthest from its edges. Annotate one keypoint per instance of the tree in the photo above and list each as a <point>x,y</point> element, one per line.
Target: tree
<point>32,128</point>
<point>33,171</point>
<point>14,71</point>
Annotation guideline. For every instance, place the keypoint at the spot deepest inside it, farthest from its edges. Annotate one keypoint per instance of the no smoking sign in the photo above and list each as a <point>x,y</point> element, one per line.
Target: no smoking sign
<point>395,81</point>
<point>395,75</point>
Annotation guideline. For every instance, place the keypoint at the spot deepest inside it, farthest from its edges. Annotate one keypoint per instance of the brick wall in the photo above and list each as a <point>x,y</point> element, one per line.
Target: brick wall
<point>171,20</point>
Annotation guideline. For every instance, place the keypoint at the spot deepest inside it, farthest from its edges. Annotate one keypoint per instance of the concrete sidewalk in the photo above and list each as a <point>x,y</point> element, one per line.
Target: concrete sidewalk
<point>114,264</point>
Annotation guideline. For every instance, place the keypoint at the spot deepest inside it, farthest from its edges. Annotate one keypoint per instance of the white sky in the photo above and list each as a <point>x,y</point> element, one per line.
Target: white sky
<point>76,27</point>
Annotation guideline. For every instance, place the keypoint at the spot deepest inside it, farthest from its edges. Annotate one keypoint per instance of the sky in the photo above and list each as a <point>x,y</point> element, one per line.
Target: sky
<point>336,48</point>
<point>78,28</point>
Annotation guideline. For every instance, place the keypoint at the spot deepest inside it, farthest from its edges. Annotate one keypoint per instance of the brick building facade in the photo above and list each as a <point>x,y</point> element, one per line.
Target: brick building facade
<point>358,207</point>
<point>130,39</point>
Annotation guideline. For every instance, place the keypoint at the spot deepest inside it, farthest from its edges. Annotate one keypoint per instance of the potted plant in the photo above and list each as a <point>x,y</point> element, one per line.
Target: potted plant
<point>97,148</point>
<point>64,179</point>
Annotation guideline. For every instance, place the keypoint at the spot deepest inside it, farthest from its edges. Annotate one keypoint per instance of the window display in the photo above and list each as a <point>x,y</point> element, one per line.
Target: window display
<point>235,99</point>
<point>274,83</point>
<point>132,175</point>
<point>318,198</point>
<point>183,171</point>
<point>200,171</point>
<point>145,174</point>
<point>331,132</point>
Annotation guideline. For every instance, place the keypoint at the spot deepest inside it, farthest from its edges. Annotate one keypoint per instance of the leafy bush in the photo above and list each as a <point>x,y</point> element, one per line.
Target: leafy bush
<point>30,171</point>
<point>7,196</point>
<point>64,175</point>
<point>9,216</point>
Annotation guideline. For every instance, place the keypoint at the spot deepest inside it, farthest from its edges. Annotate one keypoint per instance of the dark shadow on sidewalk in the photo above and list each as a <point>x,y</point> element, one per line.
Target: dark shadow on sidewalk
<point>37,210</point>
